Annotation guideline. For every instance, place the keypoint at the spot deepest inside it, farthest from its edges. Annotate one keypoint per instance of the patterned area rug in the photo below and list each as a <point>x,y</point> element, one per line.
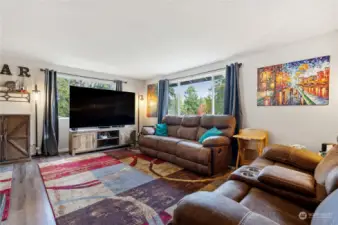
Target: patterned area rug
<point>6,174</point>
<point>118,187</point>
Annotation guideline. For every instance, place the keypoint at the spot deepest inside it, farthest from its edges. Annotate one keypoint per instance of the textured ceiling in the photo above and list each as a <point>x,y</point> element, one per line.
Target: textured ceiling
<point>144,38</point>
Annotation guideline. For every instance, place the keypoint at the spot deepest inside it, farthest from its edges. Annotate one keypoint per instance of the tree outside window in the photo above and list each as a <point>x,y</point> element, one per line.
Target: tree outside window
<point>63,83</point>
<point>219,85</point>
<point>198,96</point>
<point>173,99</point>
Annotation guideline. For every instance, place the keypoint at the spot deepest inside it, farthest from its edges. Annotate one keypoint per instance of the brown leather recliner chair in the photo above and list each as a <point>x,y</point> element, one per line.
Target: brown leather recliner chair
<point>293,176</point>
<point>182,148</point>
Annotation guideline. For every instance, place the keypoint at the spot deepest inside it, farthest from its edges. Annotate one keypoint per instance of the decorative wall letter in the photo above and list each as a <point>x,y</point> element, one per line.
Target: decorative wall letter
<point>5,70</point>
<point>24,71</point>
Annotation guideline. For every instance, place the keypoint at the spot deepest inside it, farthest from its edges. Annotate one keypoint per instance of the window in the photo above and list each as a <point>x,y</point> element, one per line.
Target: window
<point>63,83</point>
<point>198,96</point>
<point>173,99</point>
<point>219,86</point>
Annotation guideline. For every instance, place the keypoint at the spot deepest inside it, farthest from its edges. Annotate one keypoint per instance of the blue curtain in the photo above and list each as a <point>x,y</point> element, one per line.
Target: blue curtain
<point>163,94</point>
<point>50,133</point>
<point>232,101</point>
<point>119,85</point>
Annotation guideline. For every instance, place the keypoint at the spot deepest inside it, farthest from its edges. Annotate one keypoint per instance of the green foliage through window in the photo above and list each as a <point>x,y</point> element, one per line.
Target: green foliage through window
<point>197,97</point>
<point>63,83</point>
<point>219,85</point>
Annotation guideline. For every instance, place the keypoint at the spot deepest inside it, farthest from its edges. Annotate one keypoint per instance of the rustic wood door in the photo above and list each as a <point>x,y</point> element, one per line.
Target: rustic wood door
<point>15,132</point>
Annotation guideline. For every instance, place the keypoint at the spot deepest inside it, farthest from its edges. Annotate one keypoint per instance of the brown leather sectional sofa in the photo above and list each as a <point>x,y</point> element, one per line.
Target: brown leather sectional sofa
<point>284,186</point>
<point>182,148</point>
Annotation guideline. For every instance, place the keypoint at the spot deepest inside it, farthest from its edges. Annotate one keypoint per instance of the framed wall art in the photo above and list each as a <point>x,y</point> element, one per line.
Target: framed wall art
<point>152,99</point>
<point>304,82</point>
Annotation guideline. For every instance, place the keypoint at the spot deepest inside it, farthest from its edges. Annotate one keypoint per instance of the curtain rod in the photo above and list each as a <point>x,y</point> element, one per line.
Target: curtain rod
<point>210,71</point>
<point>75,75</point>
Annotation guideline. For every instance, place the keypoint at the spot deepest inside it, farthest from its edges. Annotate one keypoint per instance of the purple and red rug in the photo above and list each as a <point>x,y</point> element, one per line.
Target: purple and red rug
<point>6,173</point>
<point>118,187</point>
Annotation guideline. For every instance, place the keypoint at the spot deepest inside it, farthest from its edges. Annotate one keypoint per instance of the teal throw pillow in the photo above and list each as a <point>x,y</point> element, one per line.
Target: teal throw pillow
<point>210,133</point>
<point>161,129</point>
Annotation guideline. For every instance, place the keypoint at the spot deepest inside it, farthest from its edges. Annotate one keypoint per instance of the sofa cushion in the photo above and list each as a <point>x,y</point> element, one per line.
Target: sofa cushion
<point>190,165</point>
<point>287,179</point>
<point>193,151</point>
<point>149,141</point>
<point>191,121</point>
<point>172,120</point>
<point>331,182</point>
<point>189,127</point>
<point>261,163</point>
<point>321,193</point>
<point>301,158</point>
<point>188,133</point>
<point>329,162</point>
<point>172,130</point>
<point>168,144</point>
<point>149,151</point>
<point>287,166</point>
<point>148,130</point>
<point>173,123</point>
<point>203,208</point>
<point>275,208</point>
<point>234,190</point>
<point>216,141</point>
<point>225,123</point>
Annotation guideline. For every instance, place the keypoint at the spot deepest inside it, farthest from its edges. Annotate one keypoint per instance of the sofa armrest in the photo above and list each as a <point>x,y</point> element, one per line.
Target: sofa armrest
<point>216,141</point>
<point>148,130</point>
<point>204,208</point>
<point>289,180</point>
<point>301,158</point>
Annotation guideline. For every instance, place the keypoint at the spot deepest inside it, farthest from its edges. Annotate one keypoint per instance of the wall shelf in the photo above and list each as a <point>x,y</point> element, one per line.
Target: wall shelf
<point>15,96</point>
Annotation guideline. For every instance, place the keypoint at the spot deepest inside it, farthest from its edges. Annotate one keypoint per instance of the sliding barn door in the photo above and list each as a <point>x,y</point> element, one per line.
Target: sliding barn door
<point>15,134</point>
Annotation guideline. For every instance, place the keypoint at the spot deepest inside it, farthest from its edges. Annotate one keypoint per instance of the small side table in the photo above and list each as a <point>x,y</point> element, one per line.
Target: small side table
<point>260,137</point>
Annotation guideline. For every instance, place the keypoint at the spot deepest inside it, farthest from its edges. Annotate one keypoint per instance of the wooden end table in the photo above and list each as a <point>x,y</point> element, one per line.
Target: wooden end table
<point>260,137</point>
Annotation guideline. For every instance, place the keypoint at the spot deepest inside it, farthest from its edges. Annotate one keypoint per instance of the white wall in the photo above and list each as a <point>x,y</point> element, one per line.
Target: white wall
<point>306,125</point>
<point>38,78</point>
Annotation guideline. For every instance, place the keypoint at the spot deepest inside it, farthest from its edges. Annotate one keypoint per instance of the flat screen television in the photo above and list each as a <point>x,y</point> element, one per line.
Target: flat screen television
<point>91,107</point>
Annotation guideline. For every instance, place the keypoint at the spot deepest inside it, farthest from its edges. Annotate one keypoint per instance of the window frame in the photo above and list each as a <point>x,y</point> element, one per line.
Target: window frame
<point>86,80</point>
<point>178,81</point>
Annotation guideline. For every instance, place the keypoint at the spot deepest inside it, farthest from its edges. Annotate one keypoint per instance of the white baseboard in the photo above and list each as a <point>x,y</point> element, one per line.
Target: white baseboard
<point>63,150</point>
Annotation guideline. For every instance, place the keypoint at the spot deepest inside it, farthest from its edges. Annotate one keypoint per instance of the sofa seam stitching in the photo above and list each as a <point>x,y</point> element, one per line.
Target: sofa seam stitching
<point>243,220</point>
<point>288,182</point>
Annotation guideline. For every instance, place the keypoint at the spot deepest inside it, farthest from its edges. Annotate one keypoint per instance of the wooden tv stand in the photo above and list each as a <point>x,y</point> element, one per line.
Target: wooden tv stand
<point>87,140</point>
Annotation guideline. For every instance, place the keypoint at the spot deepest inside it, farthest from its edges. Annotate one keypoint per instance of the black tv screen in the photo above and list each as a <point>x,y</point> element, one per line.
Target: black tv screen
<point>91,107</point>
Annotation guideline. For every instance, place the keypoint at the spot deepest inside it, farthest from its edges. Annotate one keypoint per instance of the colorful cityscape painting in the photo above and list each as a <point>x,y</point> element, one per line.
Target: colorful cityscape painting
<point>152,99</point>
<point>304,82</point>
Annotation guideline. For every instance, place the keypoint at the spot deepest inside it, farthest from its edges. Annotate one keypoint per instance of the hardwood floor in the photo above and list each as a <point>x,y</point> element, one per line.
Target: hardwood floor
<point>29,201</point>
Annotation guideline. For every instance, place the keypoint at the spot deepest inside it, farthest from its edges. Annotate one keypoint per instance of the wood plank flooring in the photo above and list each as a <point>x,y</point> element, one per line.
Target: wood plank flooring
<point>29,201</point>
